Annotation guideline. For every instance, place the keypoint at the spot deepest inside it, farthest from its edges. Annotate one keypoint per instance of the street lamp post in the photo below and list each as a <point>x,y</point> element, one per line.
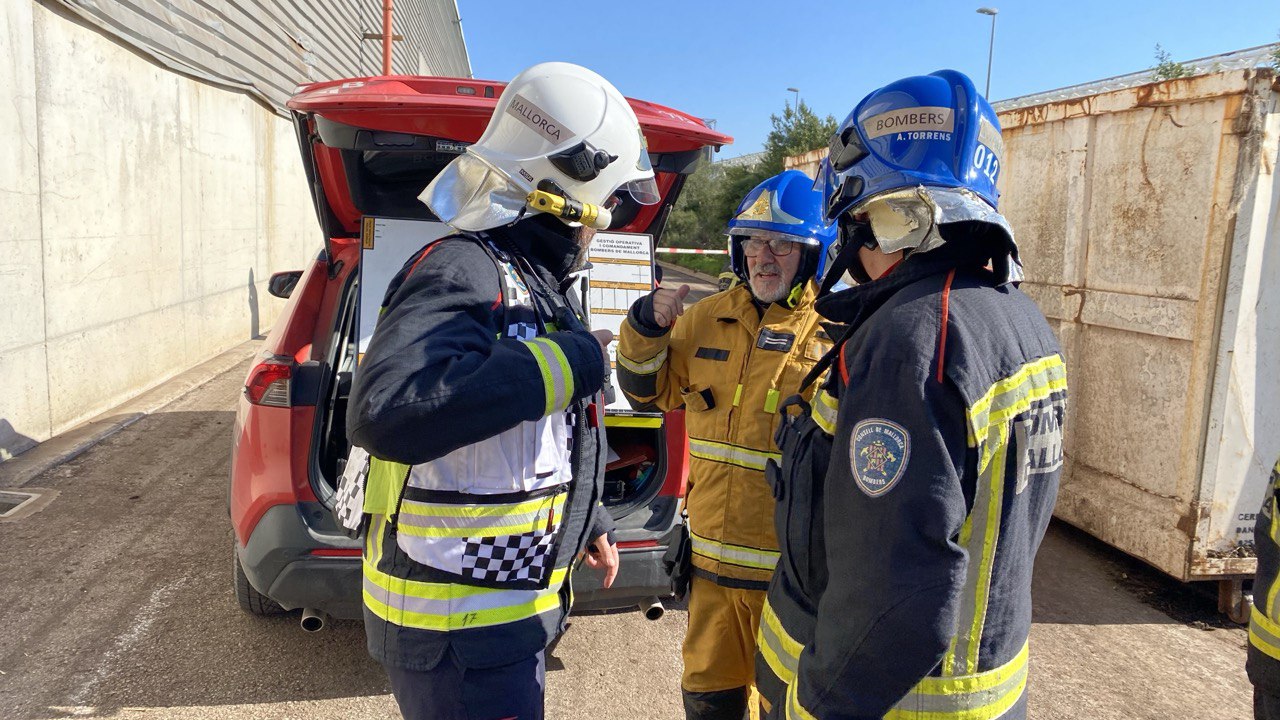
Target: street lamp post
<point>992,47</point>
<point>797,92</point>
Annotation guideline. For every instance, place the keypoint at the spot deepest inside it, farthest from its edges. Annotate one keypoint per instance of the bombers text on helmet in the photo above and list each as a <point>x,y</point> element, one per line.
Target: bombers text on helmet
<point>785,206</point>
<point>914,155</point>
<point>561,140</point>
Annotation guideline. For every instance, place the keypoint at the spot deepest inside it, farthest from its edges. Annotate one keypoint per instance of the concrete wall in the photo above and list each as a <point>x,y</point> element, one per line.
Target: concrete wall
<point>141,214</point>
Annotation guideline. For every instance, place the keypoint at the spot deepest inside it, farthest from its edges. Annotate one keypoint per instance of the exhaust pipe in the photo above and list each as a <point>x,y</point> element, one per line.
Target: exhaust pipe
<point>313,620</point>
<point>652,608</point>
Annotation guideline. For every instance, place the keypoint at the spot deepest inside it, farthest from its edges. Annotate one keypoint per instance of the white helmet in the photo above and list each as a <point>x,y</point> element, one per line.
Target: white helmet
<point>560,129</point>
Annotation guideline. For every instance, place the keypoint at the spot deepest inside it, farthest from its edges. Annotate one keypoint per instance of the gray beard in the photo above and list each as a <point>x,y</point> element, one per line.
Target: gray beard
<point>779,294</point>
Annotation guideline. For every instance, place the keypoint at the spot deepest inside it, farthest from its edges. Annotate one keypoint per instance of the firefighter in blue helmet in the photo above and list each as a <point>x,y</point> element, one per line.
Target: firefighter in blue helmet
<point>914,489</point>
<point>728,360</point>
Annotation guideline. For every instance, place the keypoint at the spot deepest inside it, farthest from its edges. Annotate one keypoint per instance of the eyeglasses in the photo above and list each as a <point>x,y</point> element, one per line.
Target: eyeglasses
<point>752,246</point>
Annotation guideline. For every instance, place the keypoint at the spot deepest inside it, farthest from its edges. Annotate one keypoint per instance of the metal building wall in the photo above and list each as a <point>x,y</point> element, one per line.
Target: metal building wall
<point>268,47</point>
<point>153,184</point>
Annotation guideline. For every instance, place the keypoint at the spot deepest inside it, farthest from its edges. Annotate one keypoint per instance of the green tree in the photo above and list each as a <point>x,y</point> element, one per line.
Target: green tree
<point>797,131</point>
<point>714,191</point>
<point>1166,68</point>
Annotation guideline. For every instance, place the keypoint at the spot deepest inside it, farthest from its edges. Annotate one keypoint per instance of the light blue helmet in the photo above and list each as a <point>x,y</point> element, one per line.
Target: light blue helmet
<point>914,155</point>
<point>786,205</point>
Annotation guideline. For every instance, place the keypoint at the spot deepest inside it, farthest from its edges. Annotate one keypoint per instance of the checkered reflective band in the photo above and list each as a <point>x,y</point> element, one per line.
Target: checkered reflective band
<point>522,330</point>
<point>348,502</point>
<point>508,558</point>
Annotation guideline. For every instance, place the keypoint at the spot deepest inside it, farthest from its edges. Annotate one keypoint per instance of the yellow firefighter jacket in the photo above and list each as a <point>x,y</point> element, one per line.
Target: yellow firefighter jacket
<point>729,368</point>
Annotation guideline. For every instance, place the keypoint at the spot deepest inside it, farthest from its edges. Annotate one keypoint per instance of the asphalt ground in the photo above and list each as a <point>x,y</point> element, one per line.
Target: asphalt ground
<point>117,602</point>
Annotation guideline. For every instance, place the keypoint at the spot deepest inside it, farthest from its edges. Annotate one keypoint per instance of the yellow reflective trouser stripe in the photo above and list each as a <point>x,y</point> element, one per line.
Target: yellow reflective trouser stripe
<point>734,554</point>
<point>989,417</point>
<point>825,408</point>
<point>731,454</point>
<point>446,606</point>
<point>981,696</point>
<point>557,378</point>
<point>643,367</point>
<point>420,519</point>
<point>780,651</point>
<point>1264,633</point>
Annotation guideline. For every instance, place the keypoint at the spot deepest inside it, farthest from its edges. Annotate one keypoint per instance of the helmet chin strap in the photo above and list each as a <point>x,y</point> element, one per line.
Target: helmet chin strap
<point>855,236</point>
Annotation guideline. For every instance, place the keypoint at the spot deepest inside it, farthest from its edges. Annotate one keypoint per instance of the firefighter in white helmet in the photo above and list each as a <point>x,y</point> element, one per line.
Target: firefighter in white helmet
<point>482,417</point>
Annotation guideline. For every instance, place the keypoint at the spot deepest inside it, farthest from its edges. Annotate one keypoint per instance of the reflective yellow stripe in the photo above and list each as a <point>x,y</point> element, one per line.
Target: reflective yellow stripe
<point>979,536</point>
<point>382,487</point>
<point>1273,525</point>
<point>1274,591</point>
<point>825,408</point>
<point>632,421</point>
<point>495,510</point>
<point>989,420</point>
<point>731,554</point>
<point>557,378</point>
<point>796,711</point>
<point>737,395</point>
<point>980,696</point>
<point>421,519</point>
<point>989,416</point>
<point>771,401</point>
<point>643,367</point>
<point>780,651</point>
<point>731,454</point>
<point>1264,633</point>
<point>447,606</point>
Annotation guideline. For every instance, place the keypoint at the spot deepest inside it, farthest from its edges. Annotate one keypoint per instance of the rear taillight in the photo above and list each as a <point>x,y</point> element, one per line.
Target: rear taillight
<point>268,384</point>
<point>336,552</point>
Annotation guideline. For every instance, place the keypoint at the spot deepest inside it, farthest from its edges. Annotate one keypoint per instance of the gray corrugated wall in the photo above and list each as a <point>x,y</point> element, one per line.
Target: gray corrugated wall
<point>268,47</point>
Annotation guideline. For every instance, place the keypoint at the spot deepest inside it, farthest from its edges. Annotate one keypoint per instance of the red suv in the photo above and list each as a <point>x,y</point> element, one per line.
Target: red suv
<point>369,147</point>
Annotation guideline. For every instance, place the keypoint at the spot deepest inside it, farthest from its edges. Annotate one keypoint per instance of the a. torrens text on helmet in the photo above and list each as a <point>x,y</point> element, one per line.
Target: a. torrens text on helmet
<point>917,119</point>
<point>536,118</point>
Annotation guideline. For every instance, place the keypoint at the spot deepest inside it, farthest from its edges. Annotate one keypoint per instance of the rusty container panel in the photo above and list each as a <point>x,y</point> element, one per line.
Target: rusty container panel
<point>1127,209</point>
<point>1244,413</point>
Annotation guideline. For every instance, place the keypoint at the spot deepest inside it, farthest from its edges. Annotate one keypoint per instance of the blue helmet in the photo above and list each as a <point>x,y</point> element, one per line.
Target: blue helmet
<point>930,148</point>
<point>786,205</point>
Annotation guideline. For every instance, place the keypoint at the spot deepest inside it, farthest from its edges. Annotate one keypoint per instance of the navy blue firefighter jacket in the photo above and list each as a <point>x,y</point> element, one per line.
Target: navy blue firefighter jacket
<point>912,497</point>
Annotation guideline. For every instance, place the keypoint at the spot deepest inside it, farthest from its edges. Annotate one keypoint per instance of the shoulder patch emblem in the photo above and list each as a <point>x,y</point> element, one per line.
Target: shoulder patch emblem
<point>878,452</point>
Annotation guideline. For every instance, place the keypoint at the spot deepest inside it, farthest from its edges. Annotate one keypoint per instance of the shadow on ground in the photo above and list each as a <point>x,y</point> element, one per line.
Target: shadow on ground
<point>1081,580</point>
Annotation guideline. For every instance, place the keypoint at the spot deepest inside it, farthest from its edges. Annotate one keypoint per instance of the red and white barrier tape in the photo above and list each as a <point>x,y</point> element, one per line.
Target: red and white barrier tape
<point>692,251</point>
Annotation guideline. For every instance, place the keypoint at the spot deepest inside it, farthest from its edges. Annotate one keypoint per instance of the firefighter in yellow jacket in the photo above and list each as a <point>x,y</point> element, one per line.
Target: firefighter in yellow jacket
<point>729,360</point>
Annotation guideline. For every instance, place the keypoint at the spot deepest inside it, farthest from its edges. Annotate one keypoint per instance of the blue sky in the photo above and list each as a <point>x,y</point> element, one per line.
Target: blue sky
<point>733,61</point>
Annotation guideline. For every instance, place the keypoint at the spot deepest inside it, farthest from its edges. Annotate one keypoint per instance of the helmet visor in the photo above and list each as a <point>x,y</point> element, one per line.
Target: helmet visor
<point>644,190</point>
<point>470,194</point>
<point>907,218</point>
<point>900,219</point>
<point>777,241</point>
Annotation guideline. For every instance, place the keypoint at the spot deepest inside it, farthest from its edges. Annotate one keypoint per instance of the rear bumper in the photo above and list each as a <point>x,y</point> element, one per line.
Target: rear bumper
<point>278,561</point>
